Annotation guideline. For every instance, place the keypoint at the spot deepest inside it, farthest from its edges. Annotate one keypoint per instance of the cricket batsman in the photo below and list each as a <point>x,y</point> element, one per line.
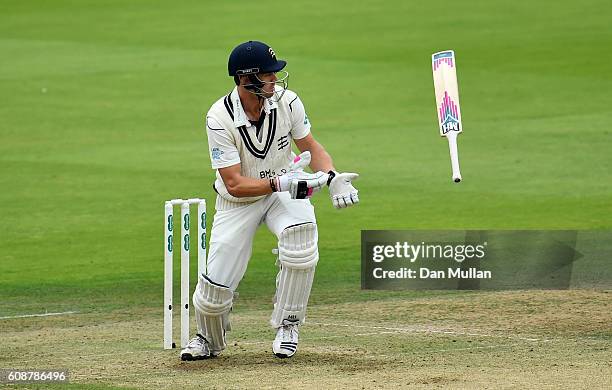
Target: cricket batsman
<point>259,180</point>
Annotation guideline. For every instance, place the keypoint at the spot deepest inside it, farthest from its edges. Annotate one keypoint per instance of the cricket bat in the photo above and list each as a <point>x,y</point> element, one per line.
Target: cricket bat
<point>447,103</point>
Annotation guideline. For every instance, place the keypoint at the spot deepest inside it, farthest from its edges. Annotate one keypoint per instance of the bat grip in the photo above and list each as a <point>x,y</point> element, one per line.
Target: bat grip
<point>454,155</point>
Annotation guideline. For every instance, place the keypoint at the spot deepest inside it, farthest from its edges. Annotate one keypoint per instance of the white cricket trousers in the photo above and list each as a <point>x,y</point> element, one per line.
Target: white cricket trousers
<point>231,238</point>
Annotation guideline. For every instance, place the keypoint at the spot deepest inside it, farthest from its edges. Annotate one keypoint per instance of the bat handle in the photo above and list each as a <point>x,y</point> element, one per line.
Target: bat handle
<point>454,155</point>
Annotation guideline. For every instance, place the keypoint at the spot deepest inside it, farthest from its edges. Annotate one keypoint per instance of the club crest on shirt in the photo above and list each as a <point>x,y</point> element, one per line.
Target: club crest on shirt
<point>283,142</point>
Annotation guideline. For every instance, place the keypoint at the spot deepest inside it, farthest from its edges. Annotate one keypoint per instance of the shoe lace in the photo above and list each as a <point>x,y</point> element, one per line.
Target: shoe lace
<point>287,332</point>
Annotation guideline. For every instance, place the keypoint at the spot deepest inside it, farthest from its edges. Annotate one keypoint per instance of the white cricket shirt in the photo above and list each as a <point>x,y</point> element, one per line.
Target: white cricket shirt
<point>262,149</point>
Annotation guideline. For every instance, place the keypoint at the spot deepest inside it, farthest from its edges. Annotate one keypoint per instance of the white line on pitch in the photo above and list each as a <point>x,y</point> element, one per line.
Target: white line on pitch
<point>39,315</point>
<point>429,330</point>
<point>475,347</point>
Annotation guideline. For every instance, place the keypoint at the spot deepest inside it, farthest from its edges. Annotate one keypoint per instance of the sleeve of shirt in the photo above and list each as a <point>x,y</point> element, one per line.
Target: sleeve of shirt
<point>300,125</point>
<point>221,145</point>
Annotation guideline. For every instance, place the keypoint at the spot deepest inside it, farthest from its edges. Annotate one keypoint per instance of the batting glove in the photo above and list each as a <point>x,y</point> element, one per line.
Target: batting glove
<point>341,190</point>
<point>299,184</point>
<point>300,162</point>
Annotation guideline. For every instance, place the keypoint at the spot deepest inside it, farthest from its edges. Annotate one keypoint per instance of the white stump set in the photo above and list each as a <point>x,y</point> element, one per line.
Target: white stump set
<point>169,260</point>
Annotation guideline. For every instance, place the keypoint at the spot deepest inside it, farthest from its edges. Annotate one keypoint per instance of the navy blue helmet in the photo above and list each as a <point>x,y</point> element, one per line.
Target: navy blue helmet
<point>253,57</point>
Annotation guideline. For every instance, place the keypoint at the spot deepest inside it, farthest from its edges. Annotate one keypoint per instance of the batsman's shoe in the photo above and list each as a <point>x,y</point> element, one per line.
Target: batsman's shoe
<point>197,349</point>
<point>286,341</point>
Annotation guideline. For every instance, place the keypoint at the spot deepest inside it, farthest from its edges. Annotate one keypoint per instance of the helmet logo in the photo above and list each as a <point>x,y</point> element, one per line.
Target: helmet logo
<point>272,53</point>
<point>241,72</point>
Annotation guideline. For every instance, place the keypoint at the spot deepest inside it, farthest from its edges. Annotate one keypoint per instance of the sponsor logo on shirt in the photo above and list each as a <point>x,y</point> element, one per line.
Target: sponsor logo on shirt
<point>270,173</point>
<point>216,153</point>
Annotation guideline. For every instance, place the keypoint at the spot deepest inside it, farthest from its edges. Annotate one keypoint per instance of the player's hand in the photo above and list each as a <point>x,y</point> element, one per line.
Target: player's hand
<point>341,190</point>
<point>300,184</point>
<point>311,183</point>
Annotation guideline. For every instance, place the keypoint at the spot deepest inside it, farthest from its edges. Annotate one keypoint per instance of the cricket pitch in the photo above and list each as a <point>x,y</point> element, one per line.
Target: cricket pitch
<point>524,339</point>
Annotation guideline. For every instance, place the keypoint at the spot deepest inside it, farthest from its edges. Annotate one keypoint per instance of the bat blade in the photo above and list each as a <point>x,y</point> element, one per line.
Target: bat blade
<point>447,103</point>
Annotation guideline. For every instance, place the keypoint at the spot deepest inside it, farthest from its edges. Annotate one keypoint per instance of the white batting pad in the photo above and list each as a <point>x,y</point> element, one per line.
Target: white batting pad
<point>298,256</point>
<point>213,303</point>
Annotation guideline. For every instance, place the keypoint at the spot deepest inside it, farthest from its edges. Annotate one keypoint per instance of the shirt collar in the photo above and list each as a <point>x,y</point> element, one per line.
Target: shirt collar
<point>240,118</point>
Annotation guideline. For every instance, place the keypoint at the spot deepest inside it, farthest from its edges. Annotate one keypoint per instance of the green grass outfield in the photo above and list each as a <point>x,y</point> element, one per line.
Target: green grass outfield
<point>101,120</point>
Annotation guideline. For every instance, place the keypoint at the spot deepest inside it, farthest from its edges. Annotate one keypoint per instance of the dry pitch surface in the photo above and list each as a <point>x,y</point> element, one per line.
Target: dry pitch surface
<point>526,339</point>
